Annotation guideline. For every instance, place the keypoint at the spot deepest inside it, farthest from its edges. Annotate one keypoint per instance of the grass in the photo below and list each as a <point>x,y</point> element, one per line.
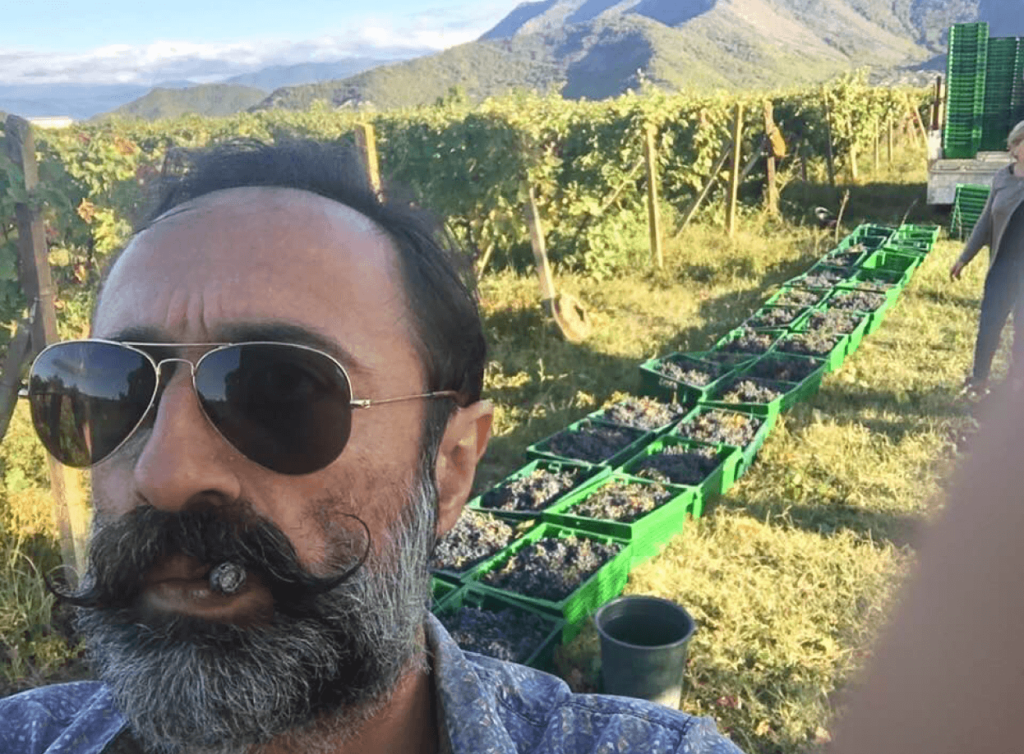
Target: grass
<point>792,573</point>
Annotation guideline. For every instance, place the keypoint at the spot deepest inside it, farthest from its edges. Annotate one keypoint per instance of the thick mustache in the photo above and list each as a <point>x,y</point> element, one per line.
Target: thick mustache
<point>124,550</point>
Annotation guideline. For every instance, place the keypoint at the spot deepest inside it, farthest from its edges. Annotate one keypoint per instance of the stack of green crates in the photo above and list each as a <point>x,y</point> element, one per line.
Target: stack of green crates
<point>965,74</point>
<point>998,115</point>
<point>1017,91</point>
<point>968,203</point>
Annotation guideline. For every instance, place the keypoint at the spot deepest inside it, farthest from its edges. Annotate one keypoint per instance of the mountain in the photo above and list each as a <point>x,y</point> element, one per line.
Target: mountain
<point>206,99</point>
<point>595,48</point>
<point>276,76</point>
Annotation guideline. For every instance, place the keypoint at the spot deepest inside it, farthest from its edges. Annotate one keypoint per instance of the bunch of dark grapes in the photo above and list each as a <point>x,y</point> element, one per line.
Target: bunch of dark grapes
<point>798,297</point>
<point>621,501</point>
<point>689,371</point>
<point>751,390</point>
<point>678,464</point>
<point>531,492</point>
<point>826,277</point>
<point>811,343</point>
<point>833,320</point>
<point>857,301</point>
<point>749,341</point>
<point>507,634</point>
<point>848,257</point>
<point>793,369</point>
<point>552,568</point>
<point>643,413</point>
<point>774,316</point>
<point>474,538</point>
<point>592,442</point>
<point>728,427</point>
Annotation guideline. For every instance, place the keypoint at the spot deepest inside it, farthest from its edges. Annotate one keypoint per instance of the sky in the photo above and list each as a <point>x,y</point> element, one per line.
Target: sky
<point>117,41</point>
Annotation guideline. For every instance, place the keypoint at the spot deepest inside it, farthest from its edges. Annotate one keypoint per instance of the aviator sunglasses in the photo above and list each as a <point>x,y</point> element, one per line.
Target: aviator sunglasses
<point>287,407</point>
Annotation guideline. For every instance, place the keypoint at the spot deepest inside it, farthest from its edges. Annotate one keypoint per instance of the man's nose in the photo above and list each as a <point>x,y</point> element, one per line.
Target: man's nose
<point>183,459</point>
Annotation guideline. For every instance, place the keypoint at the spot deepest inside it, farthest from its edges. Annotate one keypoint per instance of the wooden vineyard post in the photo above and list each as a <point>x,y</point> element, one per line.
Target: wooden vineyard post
<point>888,139</point>
<point>734,174</point>
<point>18,351</point>
<point>366,144</point>
<point>877,138</point>
<point>653,213</point>
<point>937,105</point>
<point>36,283</point>
<point>854,172</point>
<point>775,146</point>
<point>830,158</point>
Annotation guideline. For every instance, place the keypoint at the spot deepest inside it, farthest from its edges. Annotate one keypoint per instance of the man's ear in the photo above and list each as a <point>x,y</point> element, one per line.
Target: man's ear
<point>464,442</point>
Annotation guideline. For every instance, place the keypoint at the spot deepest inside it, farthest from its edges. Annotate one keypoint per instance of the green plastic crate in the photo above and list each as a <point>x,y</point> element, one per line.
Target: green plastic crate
<point>679,407</point>
<point>542,449</point>
<point>654,384</point>
<point>440,588</point>
<point>833,359</point>
<point>748,453</point>
<point>727,341</point>
<point>857,335</point>
<point>892,260</point>
<point>521,526</point>
<point>876,316</point>
<point>584,472</point>
<point>769,409</point>
<point>648,533</point>
<point>802,389</point>
<point>796,316</point>
<point>600,587</point>
<point>471,595</point>
<point>717,481</point>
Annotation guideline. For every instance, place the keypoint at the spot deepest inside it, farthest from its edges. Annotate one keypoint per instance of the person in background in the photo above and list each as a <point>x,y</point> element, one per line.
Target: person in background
<point>281,406</point>
<point>1001,228</point>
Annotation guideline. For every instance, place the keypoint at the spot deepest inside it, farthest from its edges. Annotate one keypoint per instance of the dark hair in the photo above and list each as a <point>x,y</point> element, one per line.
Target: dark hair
<point>436,276</point>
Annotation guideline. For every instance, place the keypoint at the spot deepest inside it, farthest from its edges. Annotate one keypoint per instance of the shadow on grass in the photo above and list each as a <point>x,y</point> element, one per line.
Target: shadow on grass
<point>896,528</point>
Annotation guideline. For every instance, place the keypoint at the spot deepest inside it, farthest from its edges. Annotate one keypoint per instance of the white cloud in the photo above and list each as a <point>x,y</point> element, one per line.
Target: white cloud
<point>176,60</point>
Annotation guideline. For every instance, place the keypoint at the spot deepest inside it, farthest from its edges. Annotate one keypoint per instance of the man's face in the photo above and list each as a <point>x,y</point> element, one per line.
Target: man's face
<point>256,261</point>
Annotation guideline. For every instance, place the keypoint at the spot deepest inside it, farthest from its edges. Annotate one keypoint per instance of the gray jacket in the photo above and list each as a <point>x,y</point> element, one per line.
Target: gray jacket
<point>1006,196</point>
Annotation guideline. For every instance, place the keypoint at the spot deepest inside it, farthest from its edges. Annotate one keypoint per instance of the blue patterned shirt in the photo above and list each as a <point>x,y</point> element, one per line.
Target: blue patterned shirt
<point>486,706</point>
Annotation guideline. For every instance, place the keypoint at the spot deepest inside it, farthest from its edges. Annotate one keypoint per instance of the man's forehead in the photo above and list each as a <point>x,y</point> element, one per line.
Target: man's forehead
<point>253,254</point>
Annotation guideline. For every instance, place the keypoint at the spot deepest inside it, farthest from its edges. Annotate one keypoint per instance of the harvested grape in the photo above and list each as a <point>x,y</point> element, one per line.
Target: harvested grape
<point>552,569</point>
<point>798,297</point>
<point>751,390</point>
<point>592,442</point>
<point>811,343</point>
<point>857,301</point>
<point>507,634</point>
<point>826,277</point>
<point>783,368</point>
<point>775,316</point>
<point>474,538</point>
<point>621,501</point>
<point>643,413</point>
<point>749,341</point>
<point>689,371</point>
<point>531,492</point>
<point>678,464</point>
<point>716,426</point>
<point>847,257</point>
<point>833,320</point>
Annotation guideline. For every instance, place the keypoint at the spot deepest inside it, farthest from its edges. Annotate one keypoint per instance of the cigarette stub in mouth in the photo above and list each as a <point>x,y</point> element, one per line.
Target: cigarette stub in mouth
<point>227,578</point>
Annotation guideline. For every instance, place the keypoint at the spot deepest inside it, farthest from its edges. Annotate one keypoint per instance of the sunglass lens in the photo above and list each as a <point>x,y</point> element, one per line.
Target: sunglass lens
<point>87,397</point>
<point>282,406</point>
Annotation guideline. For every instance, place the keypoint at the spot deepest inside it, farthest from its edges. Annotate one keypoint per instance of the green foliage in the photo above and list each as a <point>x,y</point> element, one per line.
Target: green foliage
<point>209,99</point>
<point>469,163</point>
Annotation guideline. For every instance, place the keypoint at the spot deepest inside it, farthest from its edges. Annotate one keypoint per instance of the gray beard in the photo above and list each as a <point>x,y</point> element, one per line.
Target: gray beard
<point>314,680</point>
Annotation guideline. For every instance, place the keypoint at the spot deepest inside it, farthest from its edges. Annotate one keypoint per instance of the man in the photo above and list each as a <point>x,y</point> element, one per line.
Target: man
<point>281,407</point>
